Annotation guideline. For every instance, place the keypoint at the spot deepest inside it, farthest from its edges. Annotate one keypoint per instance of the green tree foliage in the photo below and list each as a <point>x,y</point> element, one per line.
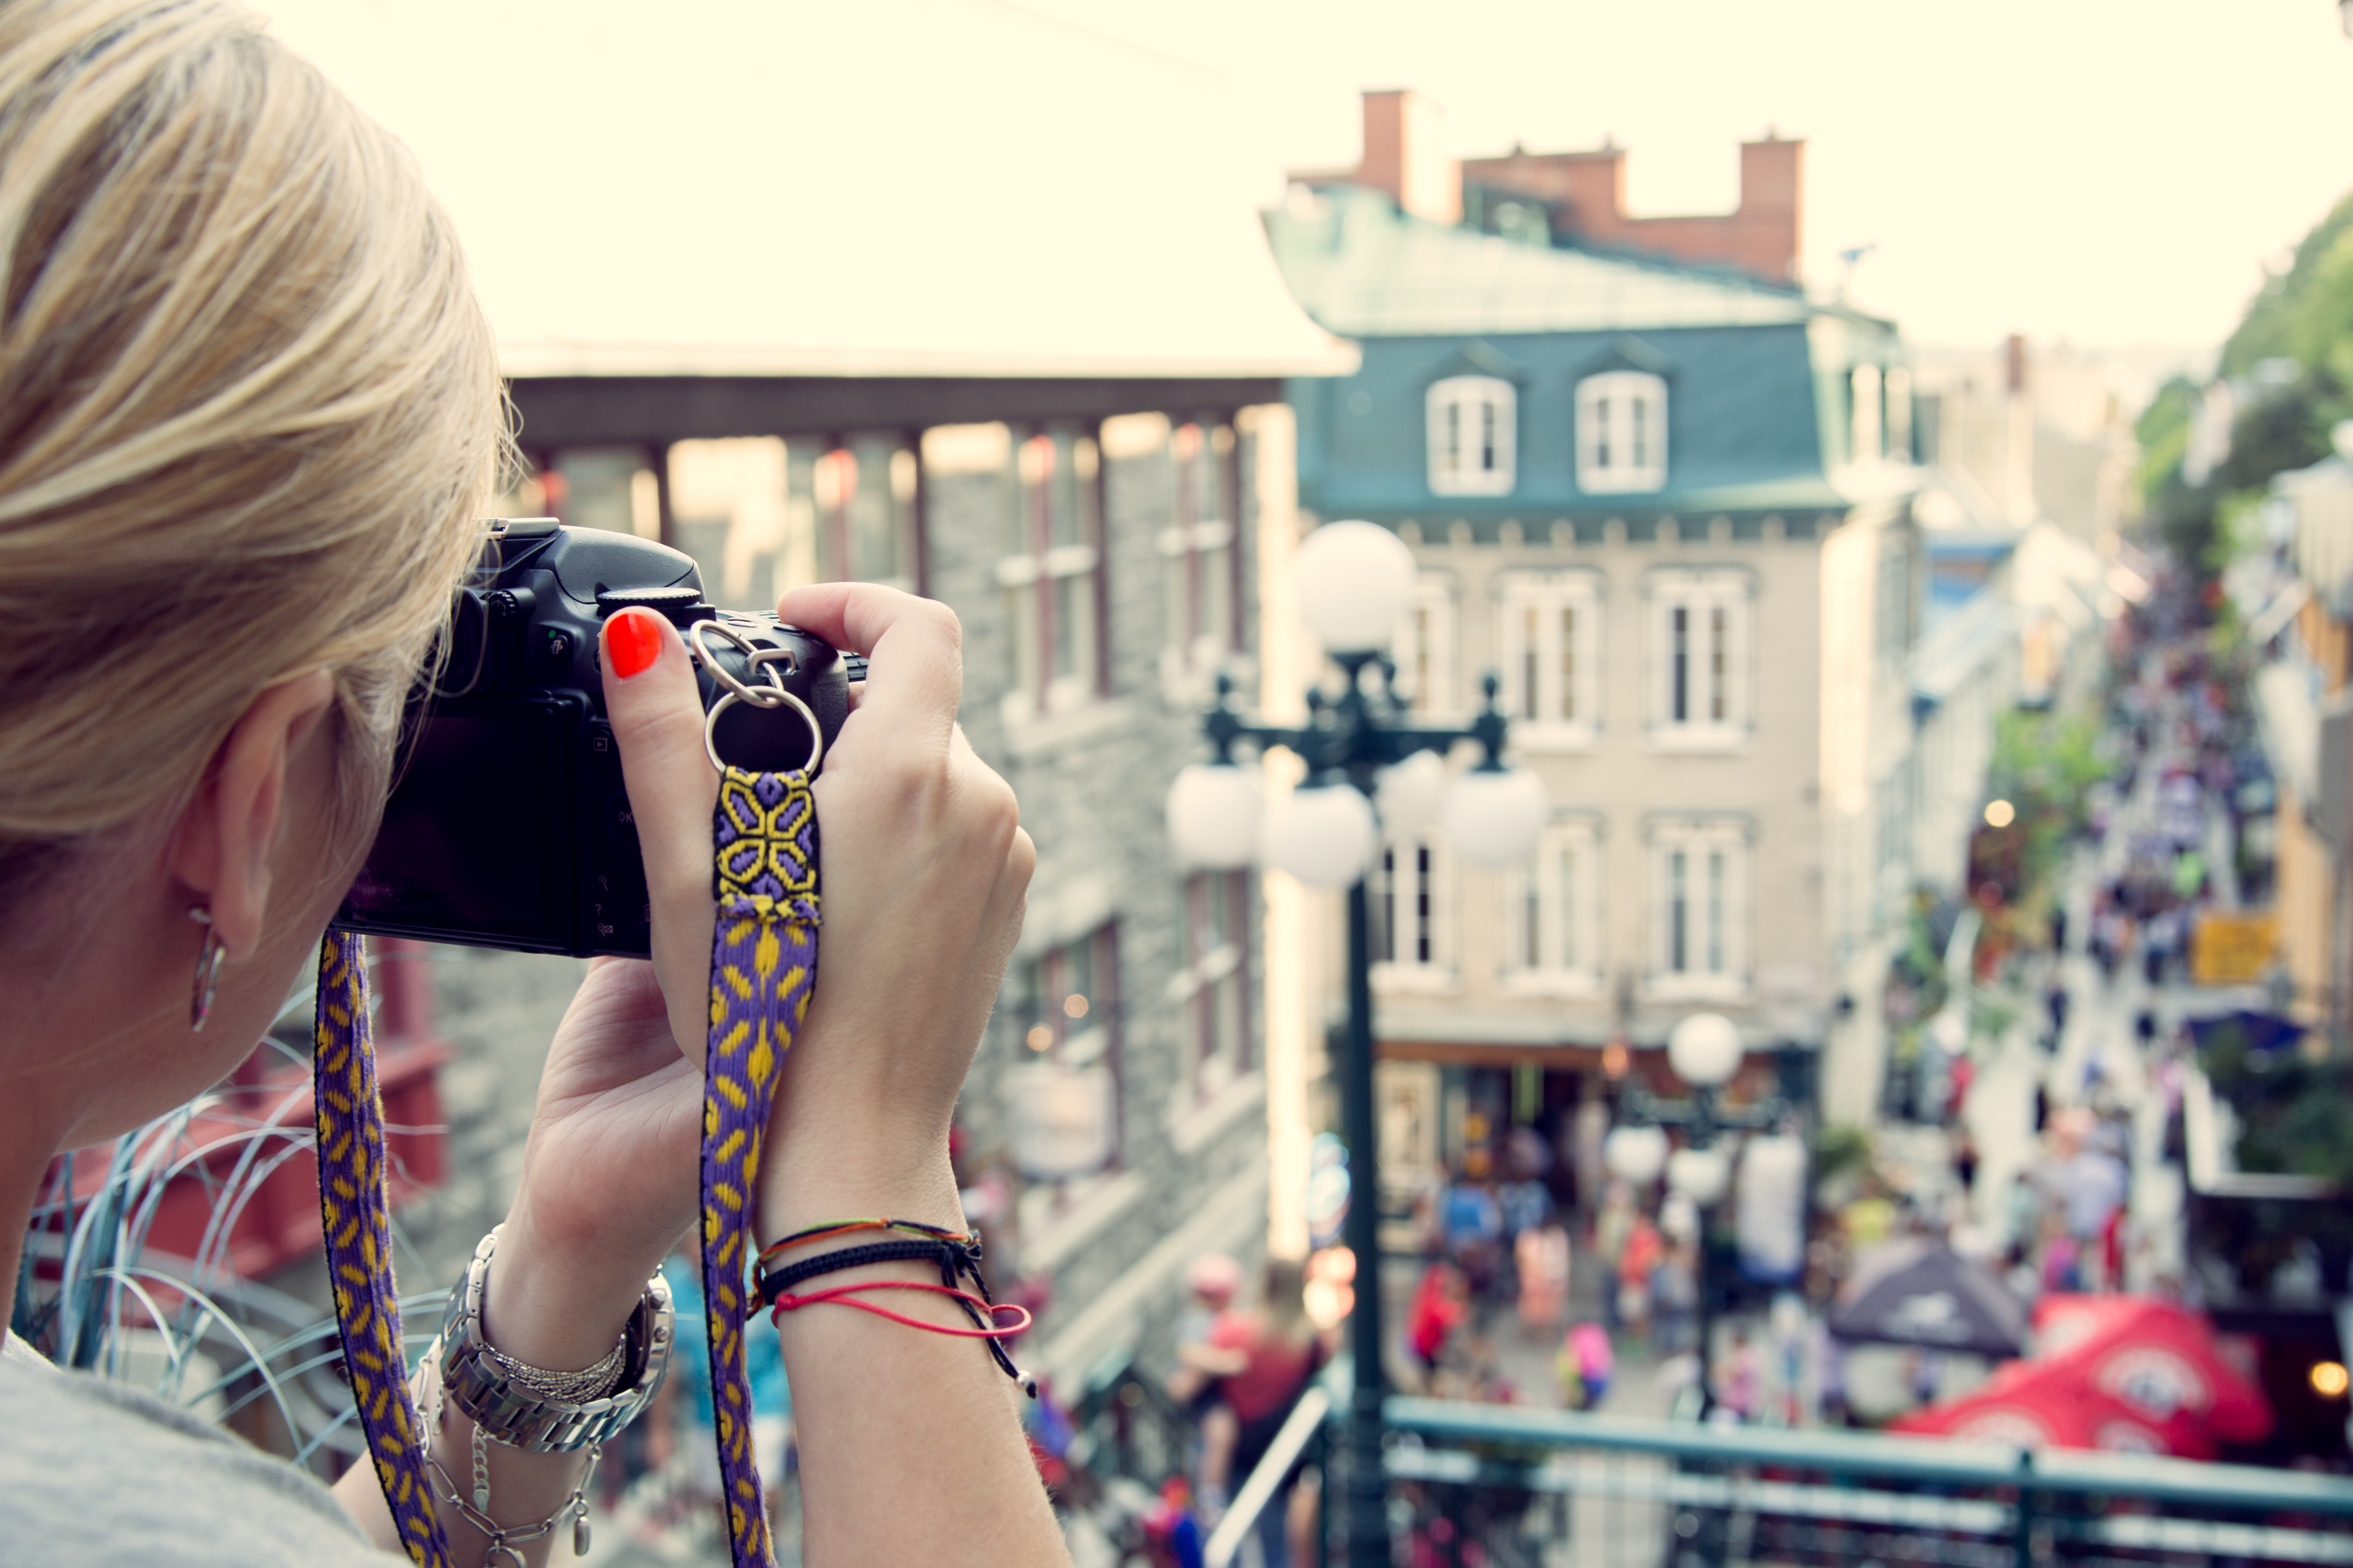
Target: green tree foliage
<point>2295,344</point>
<point>2179,514</point>
<point>2291,1108</point>
<point>2304,314</point>
<point>2043,762</point>
<point>2163,431</point>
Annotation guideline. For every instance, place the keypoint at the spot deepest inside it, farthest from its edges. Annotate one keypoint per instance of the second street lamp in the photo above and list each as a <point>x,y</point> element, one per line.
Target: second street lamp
<point>1704,1050</point>
<point>1370,768</point>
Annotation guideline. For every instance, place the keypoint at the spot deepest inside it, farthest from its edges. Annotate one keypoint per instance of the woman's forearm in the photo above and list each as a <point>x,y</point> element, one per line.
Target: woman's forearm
<point>525,1489</point>
<point>910,1443</point>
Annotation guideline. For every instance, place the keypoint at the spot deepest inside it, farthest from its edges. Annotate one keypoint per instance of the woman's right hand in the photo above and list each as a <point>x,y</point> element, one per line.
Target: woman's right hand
<point>911,1448</point>
<point>924,869</point>
<point>924,872</point>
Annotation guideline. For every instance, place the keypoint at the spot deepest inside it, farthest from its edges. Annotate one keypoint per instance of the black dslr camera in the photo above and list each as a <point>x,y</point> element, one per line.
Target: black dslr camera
<point>509,825</point>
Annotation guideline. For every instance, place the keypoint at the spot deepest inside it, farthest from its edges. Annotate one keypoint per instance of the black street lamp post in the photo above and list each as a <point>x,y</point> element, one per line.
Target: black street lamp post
<point>1355,581</point>
<point>1350,739</point>
<point>1702,1118</point>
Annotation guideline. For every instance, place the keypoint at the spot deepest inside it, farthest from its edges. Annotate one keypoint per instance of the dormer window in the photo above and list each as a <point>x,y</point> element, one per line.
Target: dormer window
<point>1473,421</point>
<point>1622,433</point>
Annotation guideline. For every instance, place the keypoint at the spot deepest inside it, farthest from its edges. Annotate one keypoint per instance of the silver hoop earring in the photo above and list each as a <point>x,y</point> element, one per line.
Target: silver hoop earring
<point>209,959</point>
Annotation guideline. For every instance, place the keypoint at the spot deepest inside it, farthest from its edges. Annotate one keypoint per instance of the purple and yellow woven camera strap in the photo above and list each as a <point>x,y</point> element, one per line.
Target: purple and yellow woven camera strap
<point>763,964</point>
<point>357,1228</point>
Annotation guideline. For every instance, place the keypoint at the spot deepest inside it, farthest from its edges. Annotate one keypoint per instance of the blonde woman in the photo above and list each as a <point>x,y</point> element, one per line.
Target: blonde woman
<point>249,413</point>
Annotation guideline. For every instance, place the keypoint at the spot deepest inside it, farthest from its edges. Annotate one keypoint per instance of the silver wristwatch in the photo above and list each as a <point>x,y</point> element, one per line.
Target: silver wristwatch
<point>520,1417</point>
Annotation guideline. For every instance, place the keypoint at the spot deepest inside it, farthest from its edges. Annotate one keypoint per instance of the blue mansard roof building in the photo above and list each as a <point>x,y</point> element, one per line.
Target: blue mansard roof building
<point>1667,502</point>
<point>1508,380</point>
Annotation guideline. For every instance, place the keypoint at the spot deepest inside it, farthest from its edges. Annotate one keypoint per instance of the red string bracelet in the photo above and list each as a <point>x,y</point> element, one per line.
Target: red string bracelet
<point>847,1296</point>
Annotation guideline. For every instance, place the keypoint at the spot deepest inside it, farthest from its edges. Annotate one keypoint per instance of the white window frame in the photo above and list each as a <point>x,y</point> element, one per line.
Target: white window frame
<point>1092,1039</point>
<point>1423,648</point>
<point>1032,580</point>
<point>1550,629</point>
<point>1473,433</point>
<point>1707,959</point>
<point>1553,930</point>
<point>1397,886</point>
<point>1622,433</point>
<point>1216,978</point>
<point>1204,586</point>
<point>1867,391</point>
<point>1702,668</point>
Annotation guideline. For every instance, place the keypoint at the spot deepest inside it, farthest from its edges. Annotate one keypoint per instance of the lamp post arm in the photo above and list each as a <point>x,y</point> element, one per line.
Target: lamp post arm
<point>1642,1106</point>
<point>1704,1114</point>
<point>1357,734</point>
<point>1761,1117</point>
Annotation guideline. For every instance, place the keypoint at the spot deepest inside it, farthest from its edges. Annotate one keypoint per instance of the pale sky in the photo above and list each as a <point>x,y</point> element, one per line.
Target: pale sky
<point>2109,172</point>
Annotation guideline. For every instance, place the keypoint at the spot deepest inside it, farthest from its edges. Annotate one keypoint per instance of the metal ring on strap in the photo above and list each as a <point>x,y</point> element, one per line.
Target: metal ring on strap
<point>783,699</point>
<point>769,657</point>
<point>771,695</point>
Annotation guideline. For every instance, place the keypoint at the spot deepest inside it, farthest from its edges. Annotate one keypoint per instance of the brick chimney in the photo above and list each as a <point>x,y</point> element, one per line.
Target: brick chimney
<point>2018,454</point>
<point>1402,157</point>
<point>1769,223</point>
<point>1587,193</point>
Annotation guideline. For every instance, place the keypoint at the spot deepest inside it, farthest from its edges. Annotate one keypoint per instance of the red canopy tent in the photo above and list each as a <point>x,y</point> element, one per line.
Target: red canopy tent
<point>2122,1373</point>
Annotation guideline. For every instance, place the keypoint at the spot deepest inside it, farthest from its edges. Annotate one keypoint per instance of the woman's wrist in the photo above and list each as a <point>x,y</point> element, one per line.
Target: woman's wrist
<point>561,1308</point>
<point>818,1180</point>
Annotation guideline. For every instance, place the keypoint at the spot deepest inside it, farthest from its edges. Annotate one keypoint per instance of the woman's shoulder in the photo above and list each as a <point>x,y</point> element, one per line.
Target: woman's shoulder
<point>94,1471</point>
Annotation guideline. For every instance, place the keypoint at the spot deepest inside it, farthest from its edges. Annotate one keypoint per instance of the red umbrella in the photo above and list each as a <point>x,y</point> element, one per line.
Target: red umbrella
<point>2033,1411</point>
<point>2120,1373</point>
<point>2158,1357</point>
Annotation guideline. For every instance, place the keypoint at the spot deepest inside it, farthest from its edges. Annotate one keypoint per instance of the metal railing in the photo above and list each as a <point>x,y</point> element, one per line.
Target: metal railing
<point>1302,1433</point>
<point>1124,1426</point>
<point>1479,1486</point>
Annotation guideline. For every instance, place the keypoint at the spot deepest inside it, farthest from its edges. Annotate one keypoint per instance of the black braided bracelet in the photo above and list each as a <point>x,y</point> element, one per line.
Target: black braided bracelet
<point>957,1259</point>
<point>776,1279</point>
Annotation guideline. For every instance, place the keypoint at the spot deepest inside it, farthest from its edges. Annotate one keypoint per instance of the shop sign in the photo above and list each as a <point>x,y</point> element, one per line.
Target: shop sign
<point>1062,1119</point>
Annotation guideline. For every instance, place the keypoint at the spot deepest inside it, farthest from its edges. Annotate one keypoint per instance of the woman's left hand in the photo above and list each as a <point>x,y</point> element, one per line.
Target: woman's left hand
<point>610,1172</point>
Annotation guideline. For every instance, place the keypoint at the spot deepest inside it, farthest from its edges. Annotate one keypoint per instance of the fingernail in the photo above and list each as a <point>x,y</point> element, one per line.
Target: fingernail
<point>632,642</point>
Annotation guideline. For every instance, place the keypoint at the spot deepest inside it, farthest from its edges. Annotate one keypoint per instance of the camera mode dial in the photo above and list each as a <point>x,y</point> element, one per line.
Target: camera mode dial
<point>682,605</point>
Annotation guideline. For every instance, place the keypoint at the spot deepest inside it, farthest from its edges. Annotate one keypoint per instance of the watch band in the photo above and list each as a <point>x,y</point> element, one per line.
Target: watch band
<point>516,1416</point>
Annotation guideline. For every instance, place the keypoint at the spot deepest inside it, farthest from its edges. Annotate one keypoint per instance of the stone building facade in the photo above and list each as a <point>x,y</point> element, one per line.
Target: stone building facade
<point>1665,502</point>
<point>1104,566</point>
<point>1175,960</point>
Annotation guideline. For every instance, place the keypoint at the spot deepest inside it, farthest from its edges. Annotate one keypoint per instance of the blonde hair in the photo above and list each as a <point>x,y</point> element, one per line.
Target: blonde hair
<point>249,408</point>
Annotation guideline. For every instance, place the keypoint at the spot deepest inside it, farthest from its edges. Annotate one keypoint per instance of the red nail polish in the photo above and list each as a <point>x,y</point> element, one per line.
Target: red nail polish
<point>632,642</point>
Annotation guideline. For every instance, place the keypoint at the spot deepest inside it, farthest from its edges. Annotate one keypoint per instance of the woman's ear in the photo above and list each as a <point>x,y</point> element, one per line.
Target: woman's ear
<point>221,850</point>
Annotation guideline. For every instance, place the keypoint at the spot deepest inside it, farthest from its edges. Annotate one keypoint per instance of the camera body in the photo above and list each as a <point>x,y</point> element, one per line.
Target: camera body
<point>509,824</point>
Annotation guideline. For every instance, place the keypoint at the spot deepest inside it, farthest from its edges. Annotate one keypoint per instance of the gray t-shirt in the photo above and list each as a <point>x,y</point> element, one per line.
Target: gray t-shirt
<point>93,1472</point>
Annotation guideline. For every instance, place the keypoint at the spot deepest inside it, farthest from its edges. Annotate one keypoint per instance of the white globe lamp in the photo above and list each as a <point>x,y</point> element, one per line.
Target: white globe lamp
<point>1679,1218</point>
<point>1494,816</point>
<point>1635,1154</point>
<point>1213,815</point>
<point>1408,794</point>
<point>1704,1050</point>
<point>1323,834</point>
<point>1700,1174</point>
<point>1356,580</point>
